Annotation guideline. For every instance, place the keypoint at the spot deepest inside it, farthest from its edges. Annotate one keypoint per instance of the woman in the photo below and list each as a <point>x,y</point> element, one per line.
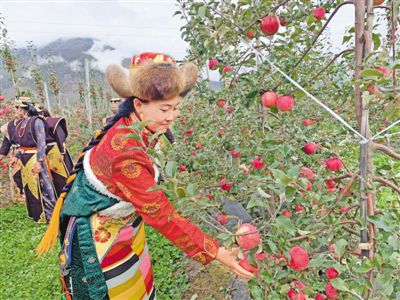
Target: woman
<point>59,159</point>
<point>30,135</point>
<point>104,253</point>
<point>9,146</point>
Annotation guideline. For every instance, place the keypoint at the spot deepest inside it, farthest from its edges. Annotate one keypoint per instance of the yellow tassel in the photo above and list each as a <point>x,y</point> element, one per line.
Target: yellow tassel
<point>98,132</point>
<point>50,236</point>
<point>71,178</point>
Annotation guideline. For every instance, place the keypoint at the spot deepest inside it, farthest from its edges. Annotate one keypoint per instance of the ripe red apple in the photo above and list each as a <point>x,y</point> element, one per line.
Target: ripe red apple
<point>269,25</point>
<point>320,297</point>
<point>331,273</point>
<point>1,98</point>
<point>344,209</point>
<point>247,236</point>
<point>308,122</point>
<point>286,213</point>
<point>213,64</point>
<point>310,148</point>
<point>331,292</point>
<point>282,21</point>
<point>299,208</point>
<point>220,217</point>
<point>9,62</point>
<point>334,164</point>
<point>245,264</point>
<point>198,146</point>
<point>385,71</point>
<point>228,69</point>
<point>319,13</point>
<point>182,168</point>
<point>251,34</point>
<point>268,99</point>
<point>285,103</point>
<point>210,196</point>
<point>258,163</point>
<point>236,154</point>
<point>299,259</point>
<point>309,186</point>
<point>221,132</point>
<point>306,172</point>
<point>293,295</point>
<point>183,122</point>
<point>221,103</point>
<point>189,131</point>
<point>225,185</point>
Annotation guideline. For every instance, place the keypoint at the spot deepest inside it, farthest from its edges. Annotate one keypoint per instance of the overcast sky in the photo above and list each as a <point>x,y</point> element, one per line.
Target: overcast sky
<point>131,26</point>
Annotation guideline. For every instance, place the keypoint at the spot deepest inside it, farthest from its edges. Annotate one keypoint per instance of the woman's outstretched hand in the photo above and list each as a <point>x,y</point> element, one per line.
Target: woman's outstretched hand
<point>229,259</point>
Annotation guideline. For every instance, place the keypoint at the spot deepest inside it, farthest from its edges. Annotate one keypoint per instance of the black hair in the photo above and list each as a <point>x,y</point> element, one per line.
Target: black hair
<point>30,109</point>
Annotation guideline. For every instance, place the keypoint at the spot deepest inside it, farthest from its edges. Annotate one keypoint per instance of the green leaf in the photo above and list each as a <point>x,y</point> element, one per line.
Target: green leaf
<point>132,136</point>
<point>340,247</point>
<point>255,203</point>
<point>339,284</point>
<point>284,225</point>
<point>191,189</point>
<point>371,74</point>
<point>394,242</point>
<point>294,171</point>
<point>223,236</point>
<point>263,194</point>
<point>380,223</point>
<point>366,266</point>
<point>180,192</point>
<point>157,188</point>
<point>171,168</point>
<point>377,40</point>
<point>202,11</point>
<point>272,246</point>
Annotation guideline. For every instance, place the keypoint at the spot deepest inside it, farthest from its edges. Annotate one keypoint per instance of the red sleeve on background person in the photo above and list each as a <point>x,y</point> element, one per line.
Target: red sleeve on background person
<point>132,173</point>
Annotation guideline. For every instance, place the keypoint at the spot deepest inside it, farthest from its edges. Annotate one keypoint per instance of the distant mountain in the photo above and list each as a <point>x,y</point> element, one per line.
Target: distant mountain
<point>67,58</point>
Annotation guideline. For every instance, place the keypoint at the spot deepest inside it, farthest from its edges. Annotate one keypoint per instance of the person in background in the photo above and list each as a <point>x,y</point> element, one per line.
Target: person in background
<point>30,135</point>
<point>59,159</point>
<point>111,193</point>
<point>9,147</point>
<point>114,104</point>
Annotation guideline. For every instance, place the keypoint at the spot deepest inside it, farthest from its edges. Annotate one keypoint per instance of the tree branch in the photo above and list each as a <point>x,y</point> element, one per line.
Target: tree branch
<point>385,149</point>
<point>387,183</point>
<point>320,32</point>
<point>331,62</point>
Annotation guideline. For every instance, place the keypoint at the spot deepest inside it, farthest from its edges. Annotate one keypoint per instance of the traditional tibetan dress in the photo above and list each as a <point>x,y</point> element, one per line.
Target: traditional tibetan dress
<point>9,145</point>
<point>59,159</point>
<point>104,251</point>
<point>30,135</point>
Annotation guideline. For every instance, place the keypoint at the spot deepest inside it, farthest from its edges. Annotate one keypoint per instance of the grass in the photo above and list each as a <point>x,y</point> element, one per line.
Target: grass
<point>25,276</point>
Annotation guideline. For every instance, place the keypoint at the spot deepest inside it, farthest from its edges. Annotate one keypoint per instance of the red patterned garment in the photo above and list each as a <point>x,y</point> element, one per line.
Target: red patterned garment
<point>129,173</point>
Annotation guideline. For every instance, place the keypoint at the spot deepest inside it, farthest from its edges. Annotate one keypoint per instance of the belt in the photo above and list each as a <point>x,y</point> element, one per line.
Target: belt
<point>34,149</point>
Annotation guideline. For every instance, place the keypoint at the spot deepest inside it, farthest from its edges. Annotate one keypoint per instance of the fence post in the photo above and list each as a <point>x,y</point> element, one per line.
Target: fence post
<point>46,95</point>
<point>87,98</point>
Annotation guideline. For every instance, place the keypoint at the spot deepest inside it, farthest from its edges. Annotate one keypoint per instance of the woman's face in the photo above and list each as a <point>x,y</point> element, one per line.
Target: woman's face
<point>160,113</point>
<point>18,112</point>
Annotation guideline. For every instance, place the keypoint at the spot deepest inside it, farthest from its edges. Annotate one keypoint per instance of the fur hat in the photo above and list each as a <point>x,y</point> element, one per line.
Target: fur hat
<point>23,102</point>
<point>152,76</point>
